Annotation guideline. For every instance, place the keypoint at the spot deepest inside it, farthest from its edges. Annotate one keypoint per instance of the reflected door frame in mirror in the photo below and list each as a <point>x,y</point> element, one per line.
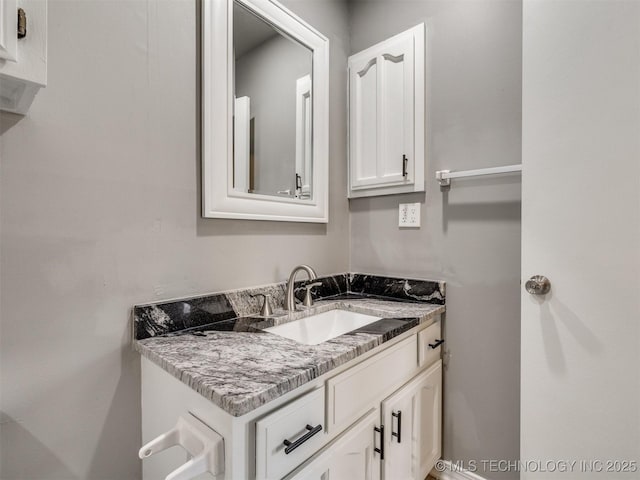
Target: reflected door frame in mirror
<point>219,199</point>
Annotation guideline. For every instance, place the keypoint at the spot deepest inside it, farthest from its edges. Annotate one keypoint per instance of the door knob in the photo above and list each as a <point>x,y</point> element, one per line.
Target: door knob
<point>538,285</point>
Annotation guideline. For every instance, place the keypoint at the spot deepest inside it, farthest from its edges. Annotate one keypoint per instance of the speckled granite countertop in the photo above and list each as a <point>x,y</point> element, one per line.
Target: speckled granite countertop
<point>240,368</point>
<point>214,343</point>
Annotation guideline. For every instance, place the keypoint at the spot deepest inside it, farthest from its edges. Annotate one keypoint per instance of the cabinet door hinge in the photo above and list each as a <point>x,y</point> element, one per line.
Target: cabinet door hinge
<point>22,23</point>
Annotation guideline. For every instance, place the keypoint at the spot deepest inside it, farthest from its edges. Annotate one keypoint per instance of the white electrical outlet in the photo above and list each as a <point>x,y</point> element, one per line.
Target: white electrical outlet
<point>409,215</point>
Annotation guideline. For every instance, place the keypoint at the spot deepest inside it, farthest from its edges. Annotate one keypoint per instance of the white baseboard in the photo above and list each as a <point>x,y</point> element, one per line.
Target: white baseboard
<point>451,472</point>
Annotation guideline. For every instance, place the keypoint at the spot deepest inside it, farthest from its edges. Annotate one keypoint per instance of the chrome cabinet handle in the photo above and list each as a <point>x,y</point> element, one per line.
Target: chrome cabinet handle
<point>291,446</point>
<point>397,434</point>
<point>538,285</point>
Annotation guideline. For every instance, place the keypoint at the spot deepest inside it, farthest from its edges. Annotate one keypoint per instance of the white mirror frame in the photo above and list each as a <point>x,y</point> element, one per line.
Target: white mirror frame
<point>220,200</point>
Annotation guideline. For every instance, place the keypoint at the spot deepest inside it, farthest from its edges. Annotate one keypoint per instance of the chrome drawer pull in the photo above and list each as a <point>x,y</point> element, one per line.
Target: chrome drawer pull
<point>436,344</point>
<point>291,446</point>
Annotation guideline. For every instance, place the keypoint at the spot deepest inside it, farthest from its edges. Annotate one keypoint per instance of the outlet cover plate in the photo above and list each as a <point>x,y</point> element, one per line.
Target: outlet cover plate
<point>409,215</point>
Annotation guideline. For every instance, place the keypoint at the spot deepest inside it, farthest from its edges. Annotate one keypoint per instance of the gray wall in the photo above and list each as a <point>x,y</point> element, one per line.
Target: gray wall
<point>100,198</point>
<point>470,237</point>
<point>99,209</point>
<point>268,74</point>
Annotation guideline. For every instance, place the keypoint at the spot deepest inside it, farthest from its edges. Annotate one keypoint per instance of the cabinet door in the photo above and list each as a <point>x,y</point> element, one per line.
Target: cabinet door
<point>8,30</point>
<point>23,62</point>
<point>352,456</point>
<point>412,418</point>
<point>383,116</point>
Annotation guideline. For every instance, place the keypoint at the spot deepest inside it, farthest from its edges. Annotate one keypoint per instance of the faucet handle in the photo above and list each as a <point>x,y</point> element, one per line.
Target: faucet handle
<point>308,299</point>
<point>266,310</point>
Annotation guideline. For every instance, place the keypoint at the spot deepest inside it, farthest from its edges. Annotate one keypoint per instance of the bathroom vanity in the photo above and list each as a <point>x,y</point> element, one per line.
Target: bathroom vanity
<point>362,404</point>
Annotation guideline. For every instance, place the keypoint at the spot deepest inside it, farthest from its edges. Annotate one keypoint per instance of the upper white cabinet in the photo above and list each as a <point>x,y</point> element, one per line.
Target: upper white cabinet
<point>387,116</point>
<point>23,55</point>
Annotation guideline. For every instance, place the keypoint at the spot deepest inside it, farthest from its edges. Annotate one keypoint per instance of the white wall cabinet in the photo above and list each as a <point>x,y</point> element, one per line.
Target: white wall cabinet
<point>23,61</point>
<point>386,116</point>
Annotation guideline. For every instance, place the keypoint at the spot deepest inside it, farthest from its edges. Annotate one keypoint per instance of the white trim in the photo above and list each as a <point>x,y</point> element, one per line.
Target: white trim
<point>453,473</point>
<point>219,199</point>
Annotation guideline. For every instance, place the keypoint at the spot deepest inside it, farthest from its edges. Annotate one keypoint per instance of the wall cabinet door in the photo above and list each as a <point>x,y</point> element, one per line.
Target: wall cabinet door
<point>23,60</point>
<point>352,456</point>
<point>386,116</point>
<point>412,418</point>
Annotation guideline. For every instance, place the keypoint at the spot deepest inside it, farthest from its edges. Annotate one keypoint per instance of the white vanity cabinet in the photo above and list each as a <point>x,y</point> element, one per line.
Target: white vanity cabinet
<point>386,116</point>
<point>23,61</point>
<point>410,433</point>
<point>399,436</point>
<point>376,416</point>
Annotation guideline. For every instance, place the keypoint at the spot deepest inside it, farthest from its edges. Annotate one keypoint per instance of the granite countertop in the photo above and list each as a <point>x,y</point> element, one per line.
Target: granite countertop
<point>240,367</point>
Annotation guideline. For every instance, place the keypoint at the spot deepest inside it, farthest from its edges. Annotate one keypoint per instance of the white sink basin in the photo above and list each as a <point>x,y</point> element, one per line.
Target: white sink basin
<point>322,327</point>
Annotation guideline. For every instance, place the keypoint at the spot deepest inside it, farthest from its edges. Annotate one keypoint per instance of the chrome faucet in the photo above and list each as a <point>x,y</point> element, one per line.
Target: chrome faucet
<point>291,300</point>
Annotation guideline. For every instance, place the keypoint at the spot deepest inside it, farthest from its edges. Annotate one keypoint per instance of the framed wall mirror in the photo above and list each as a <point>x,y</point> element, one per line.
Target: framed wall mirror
<point>264,113</point>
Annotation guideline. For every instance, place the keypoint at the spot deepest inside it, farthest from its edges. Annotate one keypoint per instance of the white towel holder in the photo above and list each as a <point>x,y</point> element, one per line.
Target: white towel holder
<point>203,444</point>
<point>444,176</point>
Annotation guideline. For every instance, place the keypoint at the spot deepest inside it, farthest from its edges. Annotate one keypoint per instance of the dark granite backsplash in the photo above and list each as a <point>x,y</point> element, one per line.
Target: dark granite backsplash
<point>221,308</point>
<point>404,289</point>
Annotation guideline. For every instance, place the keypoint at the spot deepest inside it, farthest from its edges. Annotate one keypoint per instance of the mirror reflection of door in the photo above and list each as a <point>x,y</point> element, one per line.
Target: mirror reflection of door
<point>303,137</point>
<point>272,110</point>
<point>242,144</point>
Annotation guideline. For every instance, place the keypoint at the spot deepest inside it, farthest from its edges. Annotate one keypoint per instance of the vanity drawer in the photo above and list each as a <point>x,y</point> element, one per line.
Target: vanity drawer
<point>274,459</point>
<point>353,392</point>
<point>427,338</point>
